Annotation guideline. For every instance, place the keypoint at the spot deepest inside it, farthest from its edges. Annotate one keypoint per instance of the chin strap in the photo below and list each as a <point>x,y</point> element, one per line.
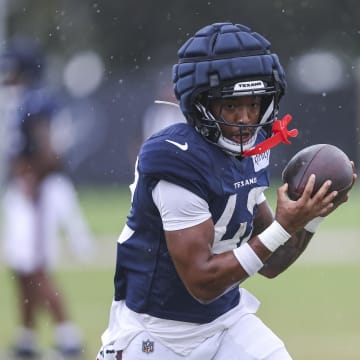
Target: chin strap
<point>280,135</point>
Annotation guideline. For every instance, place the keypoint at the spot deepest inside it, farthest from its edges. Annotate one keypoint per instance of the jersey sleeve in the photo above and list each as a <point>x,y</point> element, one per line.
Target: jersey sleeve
<point>179,208</point>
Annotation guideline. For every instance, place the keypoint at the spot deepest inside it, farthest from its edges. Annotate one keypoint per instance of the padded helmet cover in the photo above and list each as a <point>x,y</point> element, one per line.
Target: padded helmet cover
<point>223,53</point>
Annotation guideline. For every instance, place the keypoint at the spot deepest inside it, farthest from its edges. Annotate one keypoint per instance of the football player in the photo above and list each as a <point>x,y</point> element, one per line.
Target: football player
<point>38,200</point>
<point>200,224</point>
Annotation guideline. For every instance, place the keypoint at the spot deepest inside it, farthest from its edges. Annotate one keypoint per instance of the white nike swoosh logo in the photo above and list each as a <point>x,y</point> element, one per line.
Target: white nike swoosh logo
<point>182,147</point>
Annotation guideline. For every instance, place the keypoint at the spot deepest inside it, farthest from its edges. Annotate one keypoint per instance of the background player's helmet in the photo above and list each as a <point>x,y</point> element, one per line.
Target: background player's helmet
<point>21,60</point>
<point>225,60</point>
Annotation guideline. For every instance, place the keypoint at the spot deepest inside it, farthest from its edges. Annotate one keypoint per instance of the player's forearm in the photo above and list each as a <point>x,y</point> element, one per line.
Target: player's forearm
<point>286,254</point>
<point>208,280</point>
<point>227,273</point>
<point>223,272</point>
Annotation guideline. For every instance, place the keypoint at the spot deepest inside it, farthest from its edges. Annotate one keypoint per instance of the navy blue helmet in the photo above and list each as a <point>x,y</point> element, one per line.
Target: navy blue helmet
<point>225,60</point>
<point>22,57</point>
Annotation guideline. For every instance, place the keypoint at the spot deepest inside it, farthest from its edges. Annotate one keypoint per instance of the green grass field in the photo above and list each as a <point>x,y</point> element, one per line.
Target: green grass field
<point>313,306</point>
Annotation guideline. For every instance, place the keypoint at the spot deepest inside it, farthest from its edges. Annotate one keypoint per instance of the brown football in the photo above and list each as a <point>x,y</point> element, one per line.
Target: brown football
<point>327,162</point>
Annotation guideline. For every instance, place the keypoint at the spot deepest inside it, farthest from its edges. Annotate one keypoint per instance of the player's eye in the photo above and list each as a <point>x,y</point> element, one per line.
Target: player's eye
<point>229,107</point>
<point>255,106</point>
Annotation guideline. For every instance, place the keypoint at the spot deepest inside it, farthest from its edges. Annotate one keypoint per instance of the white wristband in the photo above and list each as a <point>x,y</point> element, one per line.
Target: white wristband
<point>274,236</point>
<point>313,224</point>
<point>248,259</point>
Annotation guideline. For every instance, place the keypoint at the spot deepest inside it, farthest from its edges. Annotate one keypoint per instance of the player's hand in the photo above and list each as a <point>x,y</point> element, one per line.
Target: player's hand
<point>294,215</point>
<point>345,197</point>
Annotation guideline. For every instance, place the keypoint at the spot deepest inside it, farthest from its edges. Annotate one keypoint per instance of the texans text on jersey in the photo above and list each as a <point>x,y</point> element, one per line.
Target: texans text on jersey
<point>246,182</point>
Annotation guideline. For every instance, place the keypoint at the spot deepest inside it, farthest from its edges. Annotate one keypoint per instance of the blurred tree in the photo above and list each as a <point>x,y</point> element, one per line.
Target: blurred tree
<point>132,33</point>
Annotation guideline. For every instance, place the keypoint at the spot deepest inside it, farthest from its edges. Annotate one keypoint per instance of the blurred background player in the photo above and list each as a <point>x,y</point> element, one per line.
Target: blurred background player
<point>39,200</point>
<point>164,111</point>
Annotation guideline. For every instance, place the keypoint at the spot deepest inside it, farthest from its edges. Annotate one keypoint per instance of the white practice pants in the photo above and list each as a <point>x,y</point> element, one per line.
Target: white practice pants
<point>248,339</point>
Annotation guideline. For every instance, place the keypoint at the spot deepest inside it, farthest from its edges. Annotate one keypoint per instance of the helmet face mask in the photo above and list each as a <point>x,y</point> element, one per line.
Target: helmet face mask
<point>224,61</point>
<point>210,124</point>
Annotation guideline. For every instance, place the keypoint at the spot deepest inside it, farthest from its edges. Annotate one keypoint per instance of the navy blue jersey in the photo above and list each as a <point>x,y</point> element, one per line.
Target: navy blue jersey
<point>145,274</point>
<point>36,109</point>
